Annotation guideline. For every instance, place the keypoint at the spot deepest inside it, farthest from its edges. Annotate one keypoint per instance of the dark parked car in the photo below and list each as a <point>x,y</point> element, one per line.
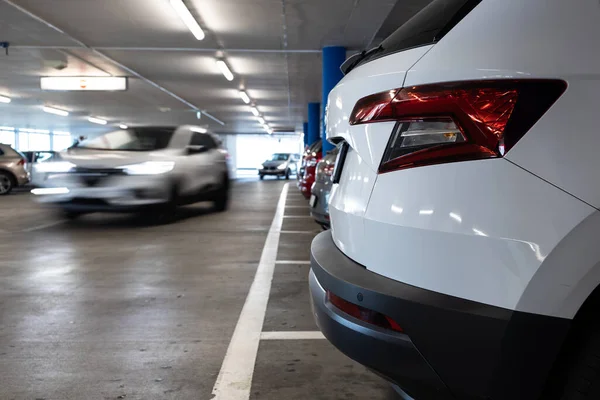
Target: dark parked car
<point>319,199</point>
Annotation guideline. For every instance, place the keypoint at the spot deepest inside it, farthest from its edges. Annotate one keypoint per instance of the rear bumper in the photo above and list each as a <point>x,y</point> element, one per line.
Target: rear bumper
<point>271,172</point>
<point>452,349</point>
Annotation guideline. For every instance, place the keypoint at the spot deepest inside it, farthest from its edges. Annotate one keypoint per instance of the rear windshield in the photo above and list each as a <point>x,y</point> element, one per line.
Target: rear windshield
<point>133,139</point>
<point>426,27</point>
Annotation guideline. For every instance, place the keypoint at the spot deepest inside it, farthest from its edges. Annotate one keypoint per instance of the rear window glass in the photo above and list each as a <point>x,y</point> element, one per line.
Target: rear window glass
<point>426,27</point>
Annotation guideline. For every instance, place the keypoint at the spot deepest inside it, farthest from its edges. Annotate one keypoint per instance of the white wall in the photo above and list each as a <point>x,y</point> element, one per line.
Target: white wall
<point>252,150</point>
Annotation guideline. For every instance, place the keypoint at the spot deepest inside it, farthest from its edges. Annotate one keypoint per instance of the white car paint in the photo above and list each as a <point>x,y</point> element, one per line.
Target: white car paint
<point>192,173</point>
<point>518,232</point>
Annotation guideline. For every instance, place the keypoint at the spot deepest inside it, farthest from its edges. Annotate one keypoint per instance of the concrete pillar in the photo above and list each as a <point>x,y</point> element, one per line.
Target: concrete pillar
<point>314,114</point>
<point>333,58</point>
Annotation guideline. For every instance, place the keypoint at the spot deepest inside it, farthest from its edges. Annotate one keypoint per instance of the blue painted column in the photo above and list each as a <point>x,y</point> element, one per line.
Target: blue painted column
<point>333,58</point>
<point>305,130</point>
<point>314,120</point>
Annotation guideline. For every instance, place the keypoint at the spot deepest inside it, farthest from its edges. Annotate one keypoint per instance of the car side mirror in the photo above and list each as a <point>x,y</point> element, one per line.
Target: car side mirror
<point>195,149</point>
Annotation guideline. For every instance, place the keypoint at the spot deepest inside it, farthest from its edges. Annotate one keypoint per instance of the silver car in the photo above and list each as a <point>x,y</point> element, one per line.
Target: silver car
<point>13,169</point>
<point>280,164</point>
<point>319,197</point>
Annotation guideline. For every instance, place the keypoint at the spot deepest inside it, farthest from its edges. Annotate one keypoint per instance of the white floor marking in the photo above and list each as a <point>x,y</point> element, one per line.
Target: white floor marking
<point>292,206</point>
<point>297,216</point>
<point>44,226</point>
<point>312,232</point>
<point>291,262</point>
<point>235,377</point>
<point>292,335</point>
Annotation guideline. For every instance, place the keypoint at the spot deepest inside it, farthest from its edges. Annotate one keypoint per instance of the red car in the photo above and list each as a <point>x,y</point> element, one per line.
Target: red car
<point>310,158</point>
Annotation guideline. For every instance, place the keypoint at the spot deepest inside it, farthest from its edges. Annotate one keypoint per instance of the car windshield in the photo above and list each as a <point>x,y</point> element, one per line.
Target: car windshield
<point>133,139</point>
<point>280,157</point>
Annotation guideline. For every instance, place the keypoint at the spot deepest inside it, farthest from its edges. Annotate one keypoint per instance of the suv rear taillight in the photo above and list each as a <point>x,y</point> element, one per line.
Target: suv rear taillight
<point>21,162</point>
<point>456,121</point>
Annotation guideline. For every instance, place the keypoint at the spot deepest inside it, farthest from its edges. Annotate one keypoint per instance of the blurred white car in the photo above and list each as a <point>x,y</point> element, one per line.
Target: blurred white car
<point>150,169</point>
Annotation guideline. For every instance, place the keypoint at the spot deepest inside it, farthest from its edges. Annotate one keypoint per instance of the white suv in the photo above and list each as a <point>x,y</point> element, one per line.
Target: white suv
<point>463,259</point>
<point>137,169</point>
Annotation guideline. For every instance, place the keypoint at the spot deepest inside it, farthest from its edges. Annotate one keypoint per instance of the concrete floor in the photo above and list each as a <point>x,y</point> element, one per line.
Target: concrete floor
<point>109,307</point>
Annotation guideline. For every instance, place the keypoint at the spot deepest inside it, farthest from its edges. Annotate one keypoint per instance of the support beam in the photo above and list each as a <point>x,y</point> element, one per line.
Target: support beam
<point>333,58</point>
<point>305,130</point>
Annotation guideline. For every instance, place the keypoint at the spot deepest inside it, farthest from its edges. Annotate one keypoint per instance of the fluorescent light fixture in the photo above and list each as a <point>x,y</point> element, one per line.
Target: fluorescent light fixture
<point>396,209</point>
<point>84,83</point>
<point>55,111</point>
<point>478,232</point>
<point>6,128</point>
<point>244,97</point>
<point>32,130</point>
<point>98,121</point>
<point>456,217</point>
<point>261,120</point>
<point>4,99</point>
<point>425,212</point>
<point>186,16</point>
<point>44,191</point>
<point>270,131</point>
<point>198,129</point>
<point>123,126</point>
<point>254,111</point>
<point>225,70</point>
<point>62,133</point>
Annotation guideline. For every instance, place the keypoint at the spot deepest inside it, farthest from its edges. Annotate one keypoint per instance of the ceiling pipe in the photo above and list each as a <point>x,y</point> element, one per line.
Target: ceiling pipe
<point>175,49</point>
<point>106,57</point>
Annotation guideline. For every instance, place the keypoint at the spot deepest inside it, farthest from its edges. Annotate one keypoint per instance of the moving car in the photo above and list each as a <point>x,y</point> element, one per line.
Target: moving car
<point>13,169</point>
<point>35,157</point>
<point>463,259</point>
<point>151,169</point>
<point>319,199</point>
<point>280,165</point>
<point>309,164</point>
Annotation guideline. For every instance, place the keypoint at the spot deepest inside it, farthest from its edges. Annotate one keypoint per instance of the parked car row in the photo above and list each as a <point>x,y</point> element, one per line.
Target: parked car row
<point>463,262</point>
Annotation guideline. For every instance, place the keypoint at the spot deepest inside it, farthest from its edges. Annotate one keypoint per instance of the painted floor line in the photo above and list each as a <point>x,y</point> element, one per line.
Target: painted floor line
<point>312,232</point>
<point>44,226</point>
<point>291,262</point>
<point>235,377</point>
<point>291,335</point>
<point>297,216</point>
<point>292,206</point>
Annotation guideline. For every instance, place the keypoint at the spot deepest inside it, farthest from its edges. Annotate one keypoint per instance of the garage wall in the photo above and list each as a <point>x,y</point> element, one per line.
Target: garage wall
<point>252,150</point>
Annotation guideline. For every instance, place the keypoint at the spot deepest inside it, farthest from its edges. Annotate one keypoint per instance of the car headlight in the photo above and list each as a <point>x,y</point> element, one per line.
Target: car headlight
<point>149,168</point>
<point>260,167</point>
<point>54,167</point>
<point>282,167</point>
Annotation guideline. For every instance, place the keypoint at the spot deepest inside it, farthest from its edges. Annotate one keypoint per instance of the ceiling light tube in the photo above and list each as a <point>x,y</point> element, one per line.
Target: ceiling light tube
<point>254,111</point>
<point>261,120</point>
<point>4,99</point>
<point>225,70</point>
<point>245,97</point>
<point>98,121</point>
<point>186,16</point>
<point>55,111</point>
<point>123,126</point>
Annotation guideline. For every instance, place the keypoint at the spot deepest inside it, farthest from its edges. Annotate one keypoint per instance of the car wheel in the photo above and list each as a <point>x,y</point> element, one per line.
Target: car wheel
<point>577,370</point>
<point>6,183</point>
<point>261,177</point>
<point>222,196</point>
<point>287,175</point>
<point>71,215</point>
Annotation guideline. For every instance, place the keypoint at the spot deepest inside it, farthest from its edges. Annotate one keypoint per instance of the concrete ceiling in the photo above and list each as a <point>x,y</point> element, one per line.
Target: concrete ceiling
<point>272,47</point>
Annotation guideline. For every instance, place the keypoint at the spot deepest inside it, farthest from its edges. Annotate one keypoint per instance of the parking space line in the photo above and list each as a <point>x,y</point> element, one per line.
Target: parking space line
<point>297,216</point>
<point>292,206</point>
<point>312,232</point>
<point>235,377</point>
<point>291,335</point>
<point>44,226</point>
<point>291,262</point>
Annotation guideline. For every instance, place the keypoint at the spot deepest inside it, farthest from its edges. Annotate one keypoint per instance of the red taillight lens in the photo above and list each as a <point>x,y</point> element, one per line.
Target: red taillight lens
<point>456,121</point>
<point>21,162</point>
<point>364,314</point>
